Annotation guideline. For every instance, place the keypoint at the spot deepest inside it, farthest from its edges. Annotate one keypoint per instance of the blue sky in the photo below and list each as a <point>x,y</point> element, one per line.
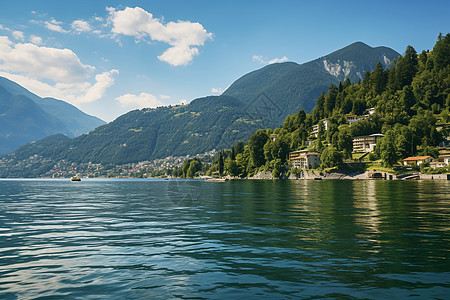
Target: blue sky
<point>109,57</point>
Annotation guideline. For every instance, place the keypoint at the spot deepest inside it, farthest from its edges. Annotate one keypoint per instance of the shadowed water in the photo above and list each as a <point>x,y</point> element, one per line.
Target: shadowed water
<point>159,239</point>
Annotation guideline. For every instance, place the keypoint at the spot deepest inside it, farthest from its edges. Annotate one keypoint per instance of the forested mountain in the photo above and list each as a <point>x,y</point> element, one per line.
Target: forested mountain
<point>214,122</point>
<point>293,86</point>
<point>205,124</point>
<point>411,100</point>
<point>26,117</point>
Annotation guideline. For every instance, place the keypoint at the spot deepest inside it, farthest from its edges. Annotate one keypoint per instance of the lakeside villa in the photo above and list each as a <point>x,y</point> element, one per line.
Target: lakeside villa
<point>304,159</point>
<point>417,160</point>
<point>366,143</point>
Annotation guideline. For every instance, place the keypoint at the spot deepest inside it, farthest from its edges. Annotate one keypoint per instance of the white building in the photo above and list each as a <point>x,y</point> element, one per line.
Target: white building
<point>315,128</point>
<point>366,143</point>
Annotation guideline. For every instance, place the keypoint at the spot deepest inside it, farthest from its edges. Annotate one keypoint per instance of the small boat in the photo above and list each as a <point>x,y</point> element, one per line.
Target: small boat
<point>216,179</point>
<point>75,178</point>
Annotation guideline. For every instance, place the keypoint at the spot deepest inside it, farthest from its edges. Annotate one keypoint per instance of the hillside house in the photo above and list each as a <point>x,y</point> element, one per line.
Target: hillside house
<point>354,118</point>
<point>304,159</point>
<point>417,160</point>
<point>366,143</point>
<point>315,128</point>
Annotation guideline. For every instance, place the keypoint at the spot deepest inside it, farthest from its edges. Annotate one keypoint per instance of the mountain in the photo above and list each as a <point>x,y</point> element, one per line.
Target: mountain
<point>26,117</point>
<point>207,123</point>
<point>289,86</point>
<point>260,99</point>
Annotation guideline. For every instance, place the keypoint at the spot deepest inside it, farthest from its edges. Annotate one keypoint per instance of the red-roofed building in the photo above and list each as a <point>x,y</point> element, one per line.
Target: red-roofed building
<point>417,160</point>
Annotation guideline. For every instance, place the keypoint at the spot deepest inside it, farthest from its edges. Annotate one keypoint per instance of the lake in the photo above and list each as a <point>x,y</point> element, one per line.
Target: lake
<point>187,239</point>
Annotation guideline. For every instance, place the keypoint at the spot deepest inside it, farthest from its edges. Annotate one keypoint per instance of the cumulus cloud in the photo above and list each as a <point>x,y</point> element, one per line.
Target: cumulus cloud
<point>18,35</point>
<point>182,36</point>
<point>59,65</point>
<point>278,60</point>
<point>216,90</point>
<point>54,26</point>
<point>139,101</point>
<point>81,26</point>
<point>52,72</point>
<point>260,59</point>
<point>37,40</point>
<point>96,91</point>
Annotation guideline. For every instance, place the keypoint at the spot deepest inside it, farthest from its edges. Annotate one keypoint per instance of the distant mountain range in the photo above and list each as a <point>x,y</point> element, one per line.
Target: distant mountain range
<point>292,87</point>
<point>260,99</point>
<point>26,117</point>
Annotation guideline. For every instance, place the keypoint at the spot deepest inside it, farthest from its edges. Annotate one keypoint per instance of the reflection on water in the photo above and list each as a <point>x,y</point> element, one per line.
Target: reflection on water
<point>253,239</point>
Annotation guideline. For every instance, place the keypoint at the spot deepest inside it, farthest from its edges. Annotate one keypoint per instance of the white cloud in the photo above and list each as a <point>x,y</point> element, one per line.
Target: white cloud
<point>178,56</point>
<point>139,101</point>
<point>59,65</point>
<point>278,60</point>
<point>180,35</point>
<point>52,72</point>
<point>81,26</point>
<point>37,40</point>
<point>216,90</point>
<point>260,59</point>
<point>54,26</point>
<point>164,97</point>
<point>18,35</point>
<point>96,91</point>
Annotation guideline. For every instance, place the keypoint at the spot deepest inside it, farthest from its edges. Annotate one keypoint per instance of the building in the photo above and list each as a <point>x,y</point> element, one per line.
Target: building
<point>417,160</point>
<point>354,118</point>
<point>315,128</point>
<point>304,159</point>
<point>366,143</point>
<point>445,143</point>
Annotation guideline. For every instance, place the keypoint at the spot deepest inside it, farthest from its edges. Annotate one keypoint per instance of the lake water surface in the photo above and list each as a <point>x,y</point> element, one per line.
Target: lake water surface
<point>165,239</point>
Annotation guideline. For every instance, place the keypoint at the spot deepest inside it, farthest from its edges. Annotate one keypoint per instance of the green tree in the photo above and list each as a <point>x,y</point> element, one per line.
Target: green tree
<point>378,79</point>
<point>194,166</point>
<point>387,149</point>
<point>331,157</point>
<point>232,167</point>
<point>221,163</point>
<point>256,147</point>
<point>277,165</point>
<point>408,99</point>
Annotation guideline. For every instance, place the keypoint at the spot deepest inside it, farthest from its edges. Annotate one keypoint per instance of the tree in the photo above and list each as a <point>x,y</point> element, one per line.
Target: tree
<point>330,100</point>
<point>256,147</point>
<point>221,163</point>
<point>387,149</point>
<point>331,157</point>
<point>377,79</point>
<point>194,166</point>
<point>408,99</point>
<point>277,165</point>
<point>407,66</point>
<point>232,167</point>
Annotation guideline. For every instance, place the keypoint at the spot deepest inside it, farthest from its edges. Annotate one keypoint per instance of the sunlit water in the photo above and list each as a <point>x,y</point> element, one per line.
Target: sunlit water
<point>160,239</point>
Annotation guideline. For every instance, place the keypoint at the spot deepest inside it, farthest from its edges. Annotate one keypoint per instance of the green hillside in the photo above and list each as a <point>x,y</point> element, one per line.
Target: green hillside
<point>292,87</point>
<point>411,100</point>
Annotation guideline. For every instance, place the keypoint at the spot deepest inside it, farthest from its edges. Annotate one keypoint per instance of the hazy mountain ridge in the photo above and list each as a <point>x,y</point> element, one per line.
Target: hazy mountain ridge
<point>27,117</point>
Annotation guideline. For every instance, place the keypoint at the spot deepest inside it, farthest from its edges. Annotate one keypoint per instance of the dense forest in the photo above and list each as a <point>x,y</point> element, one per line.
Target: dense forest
<point>411,99</point>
